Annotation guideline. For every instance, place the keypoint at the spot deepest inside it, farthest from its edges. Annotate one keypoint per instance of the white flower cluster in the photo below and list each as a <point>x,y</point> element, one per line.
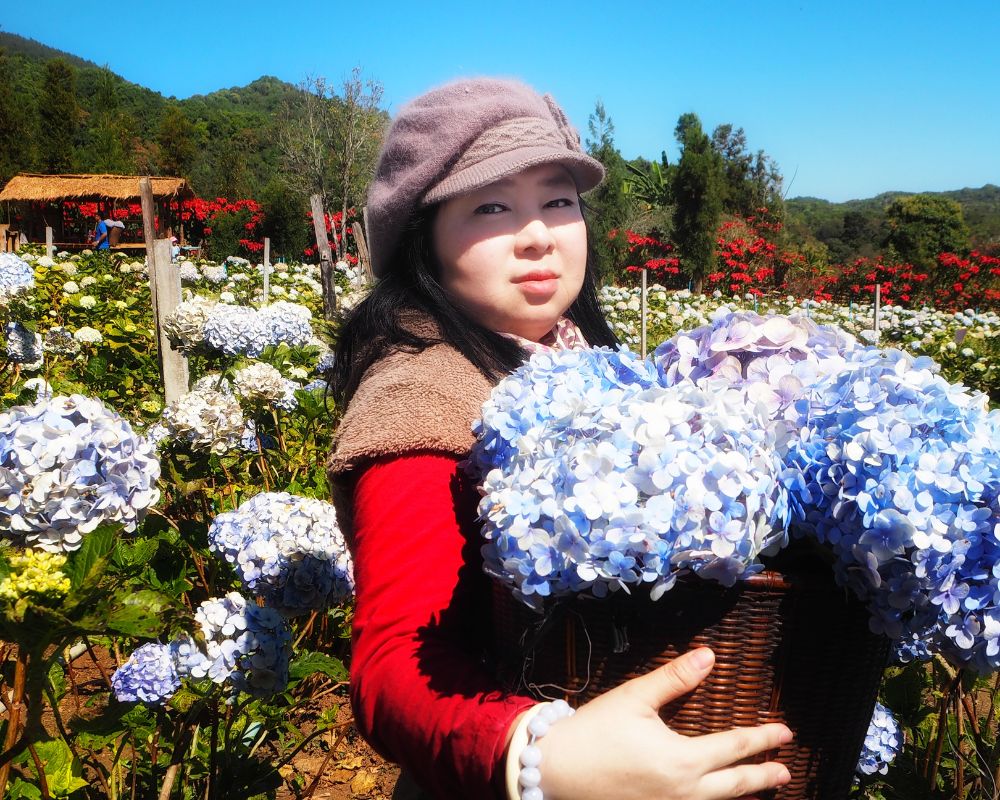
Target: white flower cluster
<point>261,384</point>
<point>185,325</point>
<point>205,420</point>
<point>68,465</point>
<point>16,276</point>
<point>88,335</point>
<point>288,550</point>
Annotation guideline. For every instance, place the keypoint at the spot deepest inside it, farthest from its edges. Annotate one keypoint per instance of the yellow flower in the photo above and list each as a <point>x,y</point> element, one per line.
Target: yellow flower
<point>35,575</point>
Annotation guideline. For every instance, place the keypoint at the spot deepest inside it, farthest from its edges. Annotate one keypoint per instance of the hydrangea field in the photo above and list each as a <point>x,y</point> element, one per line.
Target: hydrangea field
<point>189,552</point>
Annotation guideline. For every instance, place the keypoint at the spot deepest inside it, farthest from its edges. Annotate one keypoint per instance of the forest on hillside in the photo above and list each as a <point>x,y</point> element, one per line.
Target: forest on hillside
<point>278,143</point>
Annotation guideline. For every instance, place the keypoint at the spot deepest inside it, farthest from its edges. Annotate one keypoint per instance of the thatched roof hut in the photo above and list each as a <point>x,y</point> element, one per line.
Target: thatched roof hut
<point>41,200</point>
<point>29,187</point>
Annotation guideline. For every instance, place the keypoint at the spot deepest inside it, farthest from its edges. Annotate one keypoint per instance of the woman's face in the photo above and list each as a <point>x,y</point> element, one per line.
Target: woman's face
<point>513,253</point>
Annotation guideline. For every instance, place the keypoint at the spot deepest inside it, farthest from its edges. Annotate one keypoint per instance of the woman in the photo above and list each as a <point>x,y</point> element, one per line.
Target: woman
<point>480,246</point>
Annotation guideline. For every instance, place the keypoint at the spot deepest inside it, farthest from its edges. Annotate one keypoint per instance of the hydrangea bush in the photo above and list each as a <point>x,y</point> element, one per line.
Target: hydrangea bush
<point>67,465</point>
<point>287,550</point>
<point>883,742</point>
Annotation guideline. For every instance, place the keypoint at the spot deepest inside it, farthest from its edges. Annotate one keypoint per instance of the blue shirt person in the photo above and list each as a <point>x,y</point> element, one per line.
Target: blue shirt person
<point>101,236</point>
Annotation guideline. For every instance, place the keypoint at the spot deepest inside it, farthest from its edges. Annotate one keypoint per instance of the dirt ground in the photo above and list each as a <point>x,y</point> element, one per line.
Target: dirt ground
<point>350,770</point>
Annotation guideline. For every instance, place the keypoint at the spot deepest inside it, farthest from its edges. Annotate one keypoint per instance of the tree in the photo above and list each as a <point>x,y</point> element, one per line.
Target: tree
<point>752,181</point>
<point>609,204</point>
<point>111,129</point>
<point>357,139</point>
<point>59,116</point>
<point>921,226</point>
<point>697,193</point>
<point>177,142</point>
<point>15,139</point>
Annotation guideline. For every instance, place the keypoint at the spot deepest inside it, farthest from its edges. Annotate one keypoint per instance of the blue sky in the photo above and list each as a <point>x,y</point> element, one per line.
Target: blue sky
<point>850,98</point>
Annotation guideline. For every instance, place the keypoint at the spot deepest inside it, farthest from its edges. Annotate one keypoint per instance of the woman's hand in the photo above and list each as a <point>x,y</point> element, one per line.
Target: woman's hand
<point>616,746</point>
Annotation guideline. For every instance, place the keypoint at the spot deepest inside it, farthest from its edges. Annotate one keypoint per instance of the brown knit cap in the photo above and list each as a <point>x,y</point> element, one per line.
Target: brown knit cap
<point>461,137</point>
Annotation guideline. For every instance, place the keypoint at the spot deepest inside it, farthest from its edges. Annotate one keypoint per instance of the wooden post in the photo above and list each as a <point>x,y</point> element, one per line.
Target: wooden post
<point>642,316</point>
<point>363,257</point>
<point>50,249</point>
<point>878,303</point>
<point>325,259</point>
<point>266,268</point>
<point>165,290</point>
<point>167,279</point>
<point>149,233</point>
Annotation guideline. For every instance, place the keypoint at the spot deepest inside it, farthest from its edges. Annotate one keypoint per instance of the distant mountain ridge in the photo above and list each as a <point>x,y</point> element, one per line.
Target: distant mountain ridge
<point>238,151</point>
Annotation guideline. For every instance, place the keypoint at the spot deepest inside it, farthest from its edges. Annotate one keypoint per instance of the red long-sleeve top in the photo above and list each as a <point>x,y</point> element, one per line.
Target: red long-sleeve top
<point>422,693</point>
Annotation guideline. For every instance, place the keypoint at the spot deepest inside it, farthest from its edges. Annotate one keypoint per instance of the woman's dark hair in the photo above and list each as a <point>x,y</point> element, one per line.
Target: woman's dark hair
<point>377,326</point>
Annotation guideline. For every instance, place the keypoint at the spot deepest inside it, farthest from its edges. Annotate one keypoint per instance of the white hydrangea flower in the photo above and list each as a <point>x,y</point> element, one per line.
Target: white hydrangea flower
<point>87,335</point>
<point>88,301</point>
<point>205,420</point>
<point>185,325</point>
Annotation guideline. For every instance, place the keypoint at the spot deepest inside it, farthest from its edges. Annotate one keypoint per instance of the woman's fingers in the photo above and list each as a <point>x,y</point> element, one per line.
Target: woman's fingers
<point>728,747</point>
<point>746,779</point>
<point>663,684</point>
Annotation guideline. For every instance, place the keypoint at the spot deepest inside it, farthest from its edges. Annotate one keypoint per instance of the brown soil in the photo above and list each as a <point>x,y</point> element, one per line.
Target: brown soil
<point>350,770</point>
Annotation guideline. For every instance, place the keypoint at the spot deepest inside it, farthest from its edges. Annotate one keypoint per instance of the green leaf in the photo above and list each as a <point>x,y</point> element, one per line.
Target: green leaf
<point>136,553</point>
<point>140,614</point>
<point>22,790</point>
<point>97,368</point>
<point>309,663</point>
<point>87,563</point>
<point>63,772</point>
<point>57,679</point>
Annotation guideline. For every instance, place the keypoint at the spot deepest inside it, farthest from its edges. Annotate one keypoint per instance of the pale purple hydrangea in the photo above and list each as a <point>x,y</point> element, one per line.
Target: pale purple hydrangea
<point>68,465</point>
<point>287,550</point>
<point>59,341</point>
<point>148,676</point>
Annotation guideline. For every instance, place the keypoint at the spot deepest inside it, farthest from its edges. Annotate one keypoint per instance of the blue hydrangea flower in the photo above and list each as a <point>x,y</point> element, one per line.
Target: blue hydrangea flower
<point>236,330</point>
<point>16,275</point>
<point>883,742</point>
<point>287,322</point>
<point>239,643</point>
<point>287,550</point>
<point>597,479</point>
<point>149,675</point>
<point>23,346</point>
<point>898,471</point>
<point>68,465</point>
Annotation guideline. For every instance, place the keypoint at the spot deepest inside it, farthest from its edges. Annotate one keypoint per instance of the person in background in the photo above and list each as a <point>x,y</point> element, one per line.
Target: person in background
<point>175,249</point>
<point>99,240</point>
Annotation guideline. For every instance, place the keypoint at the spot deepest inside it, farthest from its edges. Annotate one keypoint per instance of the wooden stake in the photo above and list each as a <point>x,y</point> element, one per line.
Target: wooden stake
<point>325,258</point>
<point>266,268</point>
<point>642,316</point>
<point>167,279</point>
<point>50,249</point>
<point>363,257</point>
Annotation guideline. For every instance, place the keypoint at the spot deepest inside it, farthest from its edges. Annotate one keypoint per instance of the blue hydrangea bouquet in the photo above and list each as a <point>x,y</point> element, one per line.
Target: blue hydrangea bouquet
<point>606,477</point>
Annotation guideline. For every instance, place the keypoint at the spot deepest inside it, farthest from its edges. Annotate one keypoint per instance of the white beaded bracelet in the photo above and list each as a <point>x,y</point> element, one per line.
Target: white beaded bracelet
<point>530,776</point>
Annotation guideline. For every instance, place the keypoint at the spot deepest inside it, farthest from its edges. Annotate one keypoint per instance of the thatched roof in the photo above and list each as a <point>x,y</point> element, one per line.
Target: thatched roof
<point>52,188</point>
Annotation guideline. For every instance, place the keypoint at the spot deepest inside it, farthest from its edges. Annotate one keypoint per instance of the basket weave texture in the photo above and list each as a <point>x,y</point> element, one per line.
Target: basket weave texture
<point>790,647</point>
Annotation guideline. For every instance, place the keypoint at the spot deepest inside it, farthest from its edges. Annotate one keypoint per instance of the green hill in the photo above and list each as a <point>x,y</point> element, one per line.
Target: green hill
<point>233,131</point>
<point>856,227</point>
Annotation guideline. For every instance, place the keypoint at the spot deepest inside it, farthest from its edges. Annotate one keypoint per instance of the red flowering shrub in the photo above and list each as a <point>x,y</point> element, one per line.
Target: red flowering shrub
<point>652,254</point>
<point>747,258</point>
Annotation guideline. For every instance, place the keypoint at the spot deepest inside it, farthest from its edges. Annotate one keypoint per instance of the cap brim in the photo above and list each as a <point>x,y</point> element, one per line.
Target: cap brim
<point>586,172</point>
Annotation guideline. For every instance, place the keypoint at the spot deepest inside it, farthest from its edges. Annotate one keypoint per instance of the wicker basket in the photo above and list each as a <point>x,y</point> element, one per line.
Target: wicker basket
<point>790,647</point>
